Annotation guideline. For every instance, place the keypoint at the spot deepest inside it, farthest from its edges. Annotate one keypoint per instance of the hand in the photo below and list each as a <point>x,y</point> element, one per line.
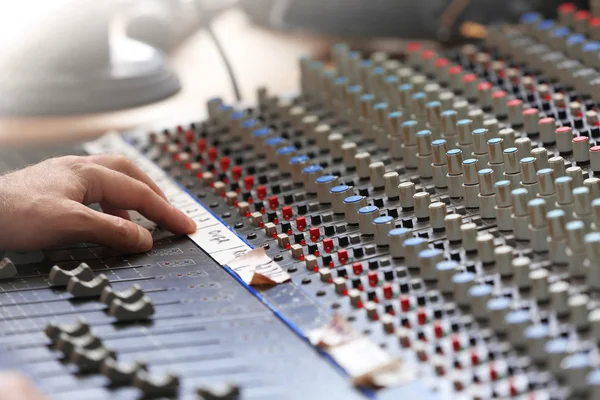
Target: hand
<point>14,386</point>
<point>44,205</point>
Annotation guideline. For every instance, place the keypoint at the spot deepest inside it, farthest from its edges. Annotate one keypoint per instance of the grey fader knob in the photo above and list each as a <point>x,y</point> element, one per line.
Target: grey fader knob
<point>121,373</point>
<point>82,289</point>
<point>366,216</point>
<point>497,310</point>
<point>462,282</point>
<point>90,360</point>
<point>76,329</point>
<point>225,392</point>
<point>453,223</point>
<point>338,195</point>
<point>407,192</point>
<point>556,351</point>
<point>391,181</point>
<point>66,343</point>
<point>559,297</point>
<point>578,305</point>
<point>310,175</point>
<point>351,206</point>
<point>537,336</point>
<point>480,295</point>
<point>412,247</point>
<point>383,226</point>
<point>485,248</point>
<point>7,269</point>
<point>324,185</point>
<point>539,284</point>
<point>61,277</point>
<point>138,311</point>
<point>363,160</point>
<point>129,295</point>
<point>504,256</point>
<point>445,271</point>
<point>396,238</point>
<point>428,259</point>
<point>521,267</point>
<point>516,322</point>
<point>167,385</point>
<point>376,173</point>
<point>349,154</point>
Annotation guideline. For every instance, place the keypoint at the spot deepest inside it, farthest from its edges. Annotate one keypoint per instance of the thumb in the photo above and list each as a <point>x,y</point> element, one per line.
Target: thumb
<point>14,386</point>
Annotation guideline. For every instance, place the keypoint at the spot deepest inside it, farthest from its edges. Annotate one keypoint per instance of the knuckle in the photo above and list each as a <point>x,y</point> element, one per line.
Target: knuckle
<point>122,228</point>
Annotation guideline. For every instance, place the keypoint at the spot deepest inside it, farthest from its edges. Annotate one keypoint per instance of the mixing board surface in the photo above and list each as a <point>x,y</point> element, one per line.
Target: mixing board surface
<point>446,206</point>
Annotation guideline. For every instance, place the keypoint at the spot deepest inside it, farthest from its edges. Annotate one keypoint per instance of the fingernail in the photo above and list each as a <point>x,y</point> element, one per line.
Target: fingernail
<point>192,225</point>
<point>144,239</point>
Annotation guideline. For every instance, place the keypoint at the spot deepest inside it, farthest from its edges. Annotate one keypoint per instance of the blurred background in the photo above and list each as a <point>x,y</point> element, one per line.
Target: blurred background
<point>73,69</point>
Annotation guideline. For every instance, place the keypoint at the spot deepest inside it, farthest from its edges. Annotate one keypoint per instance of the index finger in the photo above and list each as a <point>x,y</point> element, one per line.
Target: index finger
<point>118,190</point>
<point>126,166</point>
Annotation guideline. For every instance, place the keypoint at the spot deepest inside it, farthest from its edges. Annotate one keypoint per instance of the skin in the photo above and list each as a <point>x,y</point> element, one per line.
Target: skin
<point>43,205</point>
<point>14,386</point>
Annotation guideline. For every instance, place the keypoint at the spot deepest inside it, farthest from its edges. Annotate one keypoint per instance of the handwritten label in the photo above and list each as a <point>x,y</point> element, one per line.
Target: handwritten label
<point>256,268</point>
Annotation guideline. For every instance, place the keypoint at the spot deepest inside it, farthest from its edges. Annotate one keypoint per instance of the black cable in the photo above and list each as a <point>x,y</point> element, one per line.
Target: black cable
<point>232,78</point>
<point>213,36</point>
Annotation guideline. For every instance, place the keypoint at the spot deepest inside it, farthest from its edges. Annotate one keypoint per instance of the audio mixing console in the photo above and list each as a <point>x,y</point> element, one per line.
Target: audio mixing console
<point>438,219</point>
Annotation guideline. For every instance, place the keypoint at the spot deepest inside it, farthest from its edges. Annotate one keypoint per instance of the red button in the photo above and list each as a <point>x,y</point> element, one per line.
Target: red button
<point>441,62</point>
<point>580,139</point>
<point>595,149</point>
<point>474,358</point>
<point>482,86</point>
<point>456,343</point>
<point>421,316</point>
<point>249,182</point>
<point>273,202</point>
<point>582,15</point>
<point>286,211</point>
<point>261,192</point>
<point>493,373</point>
<point>427,54</point>
<point>457,69</point>
<point>594,22</point>
<point>438,330</point>
<point>498,94</point>
<point>563,129</point>
<point>189,136</point>
<point>314,234</point>
<point>212,154</point>
<point>413,47</point>
<point>224,164</point>
<point>566,8</point>
<point>328,245</point>
<point>546,120</point>
<point>300,223</point>
<point>469,78</point>
<point>531,111</point>
<point>236,173</point>
<point>373,278</point>
<point>357,267</point>
<point>201,145</point>
<point>405,303</point>
<point>514,103</point>
<point>387,291</point>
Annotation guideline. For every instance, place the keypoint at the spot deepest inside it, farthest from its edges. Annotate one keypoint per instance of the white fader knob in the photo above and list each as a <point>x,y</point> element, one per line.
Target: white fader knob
<point>383,226</point>
<point>366,216</point>
<point>351,206</point>
<point>324,185</point>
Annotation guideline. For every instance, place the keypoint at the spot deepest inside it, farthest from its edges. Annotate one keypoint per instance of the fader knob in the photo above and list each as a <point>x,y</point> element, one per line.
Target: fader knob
<point>383,226</point>
<point>61,277</point>
<point>428,259</point>
<point>498,308</point>
<point>516,322</point>
<point>366,216</point>
<point>82,289</point>
<point>325,184</point>
<point>536,337</point>
<point>412,247</point>
<point>351,206</point>
<point>311,173</point>
<point>338,194</point>
<point>480,296</point>
<point>463,281</point>
<point>397,237</point>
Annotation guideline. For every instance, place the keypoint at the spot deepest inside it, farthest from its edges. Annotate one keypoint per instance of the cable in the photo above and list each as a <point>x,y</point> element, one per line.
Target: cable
<point>221,51</point>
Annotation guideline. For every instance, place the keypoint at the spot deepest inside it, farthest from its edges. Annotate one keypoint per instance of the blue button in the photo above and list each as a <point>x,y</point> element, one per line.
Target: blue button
<point>365,63</point>
<point>341,80</point>
<point>367,97</point>
<point>339,189</point>
<point>299,159</point>
<point>511,150</point>
<point>576,361</point>
<point>480,291</point>
<point>438,142</point>
<point>434,103</point>
<point>448,112</point>
<point>555,213</point>
<point>517,317</point>
<point>591,47</point>
<point>405,87</point>
<point>464,122</point>
<point>561,179</point>
<point>395,114</point>
<point>558,345</point>
<point>367,210</point>
<point>575,39</point>
<point>430,253</point>
<point>495,140</point>
<point>353,199</point>
<point>519,191</point>
<point>424,132</point>
<point>249,123</point>
<point>325,178</point>
<point>593,377</point>
<point>470,161</point>
<point>536,331</point>
<point>546,24</point>
<point>485,171</point>
<point>383,220</point>
<point>379,106</point>
<point>286,150</point>
<point>527,159</point>
<point>414,241</point>
<point>463,277</point>
<point>418,95</point>
<point>391,79</point>
<point>529,17</point>
<point>354,89</point>
<point>237,115</point>
<point>377,71</point>
<point>225,108</point>
<point>453,151</point>
<point>409,123</point>
<point>312,169</point>
<point>274,141</point>
<point>261,132</point>
<point>480,131</point>
<point>446,265</point>
<point>580,190</point>
<point>561,32</point>
<point>499,303</point>
<point>398,232</point>
<point>502,183</point>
